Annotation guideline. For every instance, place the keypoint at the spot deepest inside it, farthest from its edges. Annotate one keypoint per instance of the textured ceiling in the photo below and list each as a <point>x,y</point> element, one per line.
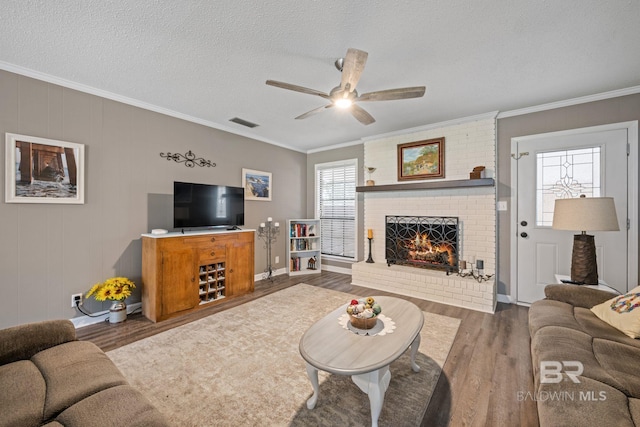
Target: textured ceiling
<point>209,60</point>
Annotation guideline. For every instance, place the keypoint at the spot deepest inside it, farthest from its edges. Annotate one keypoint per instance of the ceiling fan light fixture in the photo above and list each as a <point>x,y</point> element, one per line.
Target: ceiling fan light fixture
<point>343,103</point>
<point>345,96</point>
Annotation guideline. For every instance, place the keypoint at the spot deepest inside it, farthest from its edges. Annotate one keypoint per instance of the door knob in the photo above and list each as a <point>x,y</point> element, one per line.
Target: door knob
<point>524,223</point>
<point>523,234</point>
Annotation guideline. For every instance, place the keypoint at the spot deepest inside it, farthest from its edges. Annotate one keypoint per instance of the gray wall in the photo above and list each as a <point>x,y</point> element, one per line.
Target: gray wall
<point>350,152</point>
<point>614,110</point>
<point>49,251</point>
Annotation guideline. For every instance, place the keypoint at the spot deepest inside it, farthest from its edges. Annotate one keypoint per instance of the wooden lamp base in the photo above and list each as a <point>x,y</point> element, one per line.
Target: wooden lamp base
<point>584,269</point>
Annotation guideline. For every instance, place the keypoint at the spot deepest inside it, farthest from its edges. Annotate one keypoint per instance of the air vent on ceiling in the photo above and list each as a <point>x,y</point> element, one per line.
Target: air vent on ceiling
<point>243,122</point>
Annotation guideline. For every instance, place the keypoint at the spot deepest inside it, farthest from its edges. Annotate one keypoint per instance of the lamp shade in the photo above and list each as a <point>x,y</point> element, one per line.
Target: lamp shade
<point>585,214</point>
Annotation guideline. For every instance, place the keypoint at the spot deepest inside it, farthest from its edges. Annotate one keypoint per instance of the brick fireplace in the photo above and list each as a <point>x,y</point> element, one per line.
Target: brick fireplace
<point>469,143</point>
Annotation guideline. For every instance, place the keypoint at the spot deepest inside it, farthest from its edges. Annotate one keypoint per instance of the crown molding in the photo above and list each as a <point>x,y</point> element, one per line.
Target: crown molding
<point>335,146</point>
<point>453,122</point>
<point>569,102</point>
<point>447,123</point>
<point>134,102</point>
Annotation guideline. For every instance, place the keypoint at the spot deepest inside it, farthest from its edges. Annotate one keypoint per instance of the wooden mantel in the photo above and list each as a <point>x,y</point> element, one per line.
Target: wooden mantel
<point>436,185</point>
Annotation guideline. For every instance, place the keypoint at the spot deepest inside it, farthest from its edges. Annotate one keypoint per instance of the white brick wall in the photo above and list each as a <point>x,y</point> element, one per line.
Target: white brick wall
<point>467,145</point>
<point>429,285</point>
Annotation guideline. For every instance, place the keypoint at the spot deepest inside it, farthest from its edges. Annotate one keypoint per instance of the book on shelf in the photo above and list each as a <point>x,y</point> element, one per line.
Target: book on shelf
<point>294,264</point>
<point>300,245</point>
<point>302,230</point>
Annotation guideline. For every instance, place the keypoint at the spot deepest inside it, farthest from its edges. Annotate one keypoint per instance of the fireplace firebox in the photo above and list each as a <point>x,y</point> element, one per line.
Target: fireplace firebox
<point>422,241</point>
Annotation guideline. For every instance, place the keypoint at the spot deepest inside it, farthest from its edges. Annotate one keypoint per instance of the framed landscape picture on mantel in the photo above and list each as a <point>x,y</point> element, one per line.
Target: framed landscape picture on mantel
<point>257,185</point>
<point>421,159</point>
<point>41,170</point>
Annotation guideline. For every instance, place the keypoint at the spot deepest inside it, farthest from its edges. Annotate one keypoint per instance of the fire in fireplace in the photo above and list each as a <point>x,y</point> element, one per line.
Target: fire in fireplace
<point>422,241</point>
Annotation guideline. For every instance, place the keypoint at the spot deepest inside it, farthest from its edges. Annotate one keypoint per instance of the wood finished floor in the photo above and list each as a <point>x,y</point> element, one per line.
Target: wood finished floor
<point>489,363</point>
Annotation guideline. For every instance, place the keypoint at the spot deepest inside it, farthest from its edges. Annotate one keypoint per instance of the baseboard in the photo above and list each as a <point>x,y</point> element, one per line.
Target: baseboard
<point>277,272</point>
<point>335,269</point>
<point>101,316</point>
<point>505,299</point>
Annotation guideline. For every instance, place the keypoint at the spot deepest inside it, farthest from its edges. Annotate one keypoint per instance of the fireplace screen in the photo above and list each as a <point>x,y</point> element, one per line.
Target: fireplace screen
<point>422,241</point>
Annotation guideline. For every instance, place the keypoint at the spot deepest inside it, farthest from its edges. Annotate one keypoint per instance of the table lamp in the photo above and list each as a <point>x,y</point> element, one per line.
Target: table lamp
<point>585,214</point>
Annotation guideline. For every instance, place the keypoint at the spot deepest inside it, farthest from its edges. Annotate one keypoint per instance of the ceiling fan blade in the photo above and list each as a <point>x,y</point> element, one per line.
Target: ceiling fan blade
<point>391,94</point>
<point>296,88</point>
<point>362,116</point>
<point>352,68</point>
<point>314,111</point>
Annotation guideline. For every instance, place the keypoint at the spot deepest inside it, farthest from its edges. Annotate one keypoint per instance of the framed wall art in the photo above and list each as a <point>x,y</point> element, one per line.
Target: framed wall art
<point>257,185</point>
<point>40,170</point>
<point>421,159</point>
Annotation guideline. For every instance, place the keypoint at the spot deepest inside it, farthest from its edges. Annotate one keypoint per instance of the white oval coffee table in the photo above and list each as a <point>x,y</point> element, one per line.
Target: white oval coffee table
<point>327,346</point>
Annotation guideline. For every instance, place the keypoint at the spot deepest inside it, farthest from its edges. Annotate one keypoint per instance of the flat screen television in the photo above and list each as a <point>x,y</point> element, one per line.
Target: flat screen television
<point>204,205</point>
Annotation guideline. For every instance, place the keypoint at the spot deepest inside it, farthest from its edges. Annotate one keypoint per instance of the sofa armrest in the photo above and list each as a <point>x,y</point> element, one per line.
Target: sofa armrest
<point>577,295</point>
<point>23,341</point>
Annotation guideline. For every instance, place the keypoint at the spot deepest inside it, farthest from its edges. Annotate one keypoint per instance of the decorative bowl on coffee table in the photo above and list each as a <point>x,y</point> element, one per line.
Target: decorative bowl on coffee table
<point>363,313</point>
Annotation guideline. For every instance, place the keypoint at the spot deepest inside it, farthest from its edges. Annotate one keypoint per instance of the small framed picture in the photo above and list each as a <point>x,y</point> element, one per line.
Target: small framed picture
<point>257,185</point>
<point>40,170</point>
<point>421,159</point>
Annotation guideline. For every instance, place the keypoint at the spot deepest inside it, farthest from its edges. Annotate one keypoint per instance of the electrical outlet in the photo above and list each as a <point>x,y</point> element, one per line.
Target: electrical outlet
<point>277,259</point>
<point>76,299</point>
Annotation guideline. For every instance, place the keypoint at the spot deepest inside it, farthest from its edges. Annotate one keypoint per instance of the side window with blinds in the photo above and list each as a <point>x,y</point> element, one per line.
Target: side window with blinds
<point>336,207</point>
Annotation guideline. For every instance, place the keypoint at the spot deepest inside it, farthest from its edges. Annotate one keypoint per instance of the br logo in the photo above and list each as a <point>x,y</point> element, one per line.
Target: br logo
<point>551,371</point>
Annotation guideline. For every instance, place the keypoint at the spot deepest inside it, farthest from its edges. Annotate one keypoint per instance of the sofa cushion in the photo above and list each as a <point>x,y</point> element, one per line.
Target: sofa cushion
<point>634,408</point>
<point>23,390</point>
<point>622,312</point>
<point>595,327</point>
<point>576,295</point>
<point>621,362</point>
<point>555,313</point>
<point>102,410</point>
<point>23,341</point>
<point>569,404</point>
<point>549,312</point>
<point>74,371</point>
<point>558,344</point>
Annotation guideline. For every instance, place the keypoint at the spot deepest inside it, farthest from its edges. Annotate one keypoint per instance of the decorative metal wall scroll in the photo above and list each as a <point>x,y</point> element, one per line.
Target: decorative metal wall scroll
<point>422,241</point>
<point>189,159</point>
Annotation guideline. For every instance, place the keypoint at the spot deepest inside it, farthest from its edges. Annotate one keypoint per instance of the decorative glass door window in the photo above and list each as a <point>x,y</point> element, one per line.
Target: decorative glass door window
<point>565,174</point>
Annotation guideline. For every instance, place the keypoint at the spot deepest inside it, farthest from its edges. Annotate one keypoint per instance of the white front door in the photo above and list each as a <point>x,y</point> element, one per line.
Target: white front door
<point>566,165</point>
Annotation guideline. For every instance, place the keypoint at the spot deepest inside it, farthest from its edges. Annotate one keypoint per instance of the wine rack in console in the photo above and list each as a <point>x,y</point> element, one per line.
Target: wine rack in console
<point>212,282</point>
<point>186,272</point>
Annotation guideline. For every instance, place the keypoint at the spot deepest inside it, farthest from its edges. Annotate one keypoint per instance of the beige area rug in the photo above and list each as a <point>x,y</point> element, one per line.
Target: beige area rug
<point>242,367</point>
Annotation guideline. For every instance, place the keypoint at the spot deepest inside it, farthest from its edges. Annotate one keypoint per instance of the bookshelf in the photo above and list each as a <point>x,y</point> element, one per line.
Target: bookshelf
<point>303,247</point>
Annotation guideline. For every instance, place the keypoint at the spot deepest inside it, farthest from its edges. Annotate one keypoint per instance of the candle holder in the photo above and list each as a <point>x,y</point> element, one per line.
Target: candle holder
<point>269,233</point>
<point>370,259</point>
<point>476,272</point>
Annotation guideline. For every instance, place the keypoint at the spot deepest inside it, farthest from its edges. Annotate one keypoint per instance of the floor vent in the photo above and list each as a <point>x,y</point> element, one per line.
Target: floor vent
<point>243,122</point>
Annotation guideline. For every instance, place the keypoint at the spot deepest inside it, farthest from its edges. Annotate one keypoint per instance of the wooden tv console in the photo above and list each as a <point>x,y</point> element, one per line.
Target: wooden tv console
<point>185,272</point>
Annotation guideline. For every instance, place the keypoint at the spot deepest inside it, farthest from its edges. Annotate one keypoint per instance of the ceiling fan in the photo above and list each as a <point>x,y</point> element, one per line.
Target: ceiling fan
<point>345,95</point>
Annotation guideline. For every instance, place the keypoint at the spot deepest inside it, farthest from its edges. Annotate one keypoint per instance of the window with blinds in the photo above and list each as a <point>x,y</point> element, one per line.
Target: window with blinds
<point>336,207</point>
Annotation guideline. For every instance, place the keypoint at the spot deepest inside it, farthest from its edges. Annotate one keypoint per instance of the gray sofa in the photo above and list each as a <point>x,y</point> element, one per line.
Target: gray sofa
<point>563,329</point>
<point>49,378</point>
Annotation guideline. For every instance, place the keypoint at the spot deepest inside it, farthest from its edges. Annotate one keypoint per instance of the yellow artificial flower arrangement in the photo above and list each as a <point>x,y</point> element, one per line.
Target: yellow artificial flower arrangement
<point>114,289</point>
